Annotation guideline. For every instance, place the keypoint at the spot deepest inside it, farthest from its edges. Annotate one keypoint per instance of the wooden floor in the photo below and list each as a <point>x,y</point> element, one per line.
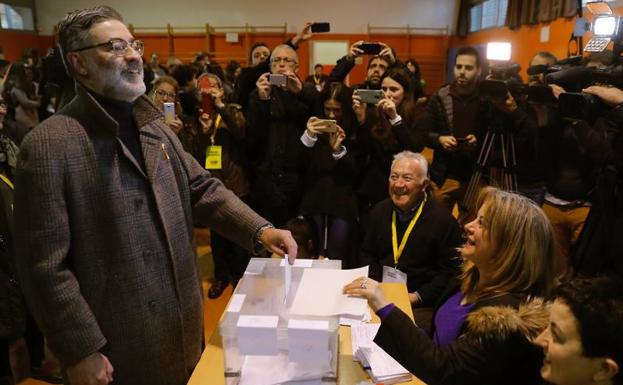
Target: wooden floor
<point>213,308</point>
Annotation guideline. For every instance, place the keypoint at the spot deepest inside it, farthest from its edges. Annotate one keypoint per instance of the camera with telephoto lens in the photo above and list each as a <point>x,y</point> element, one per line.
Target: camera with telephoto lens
<point>576,105</point>
<point>505,79</point>
<point>502,79</point>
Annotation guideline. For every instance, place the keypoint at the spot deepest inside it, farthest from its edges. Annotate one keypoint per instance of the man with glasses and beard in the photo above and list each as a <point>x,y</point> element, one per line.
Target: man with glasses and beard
<point>105,203</point>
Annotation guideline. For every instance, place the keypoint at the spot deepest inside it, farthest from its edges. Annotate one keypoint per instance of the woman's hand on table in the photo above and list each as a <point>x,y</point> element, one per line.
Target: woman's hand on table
<point>370,290</point>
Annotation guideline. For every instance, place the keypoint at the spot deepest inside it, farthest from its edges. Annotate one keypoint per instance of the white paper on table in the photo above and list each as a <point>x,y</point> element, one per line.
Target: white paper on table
<point>257,334</point>
<point>320,293</point>
<point>235,303</point>
<point>362,336</point>
<point>308,341</point>
<point>298,262</point>
<point>381,363</point>
<point>347,320</point>
<point>287,278</point>
<point>371,355</point>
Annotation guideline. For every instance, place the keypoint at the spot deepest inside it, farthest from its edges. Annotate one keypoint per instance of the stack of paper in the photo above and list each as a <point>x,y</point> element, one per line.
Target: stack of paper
<point>380,365</point>
<point>320,294</point>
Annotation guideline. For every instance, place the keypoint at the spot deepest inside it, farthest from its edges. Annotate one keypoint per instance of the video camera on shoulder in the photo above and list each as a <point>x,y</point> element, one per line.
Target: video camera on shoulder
<point>576,105</point>
<point>569,74</point>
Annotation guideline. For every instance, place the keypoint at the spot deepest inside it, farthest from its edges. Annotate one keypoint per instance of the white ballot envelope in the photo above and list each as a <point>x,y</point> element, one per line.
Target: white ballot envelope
<point>308,341</point>
<point>257,335</point>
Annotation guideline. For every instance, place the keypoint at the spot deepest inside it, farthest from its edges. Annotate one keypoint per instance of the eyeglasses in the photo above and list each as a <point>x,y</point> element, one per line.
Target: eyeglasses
<point>118,46</point>
<point>163,93</point>
<point>286,60</point>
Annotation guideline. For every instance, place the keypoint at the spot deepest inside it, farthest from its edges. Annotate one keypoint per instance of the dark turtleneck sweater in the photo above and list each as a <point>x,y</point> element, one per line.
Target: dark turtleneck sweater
<point>121,112</point>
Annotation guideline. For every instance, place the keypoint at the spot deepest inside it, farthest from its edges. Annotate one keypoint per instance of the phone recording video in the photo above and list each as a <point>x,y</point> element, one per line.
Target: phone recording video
<point>328,125</point>
<point>369,96</point>
<point>206,99</point>
<point>320,27</point>
<point>279,80</point>
<point>169,112</point>
<point>370,48</point>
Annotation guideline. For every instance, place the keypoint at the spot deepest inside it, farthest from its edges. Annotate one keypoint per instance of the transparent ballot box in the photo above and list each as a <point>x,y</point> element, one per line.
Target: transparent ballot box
<point>263,344</point>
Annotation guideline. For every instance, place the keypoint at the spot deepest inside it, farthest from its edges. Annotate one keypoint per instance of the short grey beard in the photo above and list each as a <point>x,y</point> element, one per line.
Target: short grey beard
<point>113,90</point>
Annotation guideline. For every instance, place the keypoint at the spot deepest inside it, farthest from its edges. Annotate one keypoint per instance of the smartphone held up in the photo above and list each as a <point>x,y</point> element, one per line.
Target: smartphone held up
<point>169,112</point>
<point>206,100</point>
<point>321,27</point>
<point>279,80</point>
<point>328,126</point>
<point>369,96</point>
<point>370,48</point>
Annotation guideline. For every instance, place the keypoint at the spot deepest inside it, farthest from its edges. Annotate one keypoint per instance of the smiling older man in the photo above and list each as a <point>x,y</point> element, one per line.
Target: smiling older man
<point>411,238</point>
<point>106,199</point>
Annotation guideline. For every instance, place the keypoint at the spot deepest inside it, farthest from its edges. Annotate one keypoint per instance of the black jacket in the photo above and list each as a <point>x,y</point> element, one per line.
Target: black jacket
<point>274,134</point>
<point>439,122</point>
<point>329,184</point>
<point>493,347</point>
<point>600,246</point>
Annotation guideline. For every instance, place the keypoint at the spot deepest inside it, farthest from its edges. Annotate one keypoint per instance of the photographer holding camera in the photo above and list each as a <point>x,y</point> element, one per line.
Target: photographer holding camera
<point>259,63</point>
<point>532,144</point>
<point>383,58</point>
<point>579,153</point>
<point>472,127</point>
<point>389,126</point>
<point>278,112</point>
<point>599,246</point>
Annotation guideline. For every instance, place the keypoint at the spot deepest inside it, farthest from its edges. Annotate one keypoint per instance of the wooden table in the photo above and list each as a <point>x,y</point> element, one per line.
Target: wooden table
<point>211,366</point>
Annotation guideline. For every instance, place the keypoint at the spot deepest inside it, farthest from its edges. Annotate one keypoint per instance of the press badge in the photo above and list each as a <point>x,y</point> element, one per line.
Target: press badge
<point>391,274</point>
<point>214,158</point>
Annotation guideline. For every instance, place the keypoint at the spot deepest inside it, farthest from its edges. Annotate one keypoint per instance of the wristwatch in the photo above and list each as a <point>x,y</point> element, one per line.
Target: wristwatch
<point>257,243</point>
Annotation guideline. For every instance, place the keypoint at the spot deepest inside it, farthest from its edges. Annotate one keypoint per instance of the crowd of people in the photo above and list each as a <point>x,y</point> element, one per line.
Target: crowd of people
<point>120,156</point>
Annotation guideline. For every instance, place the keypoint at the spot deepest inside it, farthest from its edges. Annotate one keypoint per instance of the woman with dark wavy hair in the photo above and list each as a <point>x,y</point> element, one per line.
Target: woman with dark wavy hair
<point>385,129</point>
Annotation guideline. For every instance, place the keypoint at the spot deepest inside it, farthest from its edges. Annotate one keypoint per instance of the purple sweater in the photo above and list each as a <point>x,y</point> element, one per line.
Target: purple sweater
<point>449,320</point>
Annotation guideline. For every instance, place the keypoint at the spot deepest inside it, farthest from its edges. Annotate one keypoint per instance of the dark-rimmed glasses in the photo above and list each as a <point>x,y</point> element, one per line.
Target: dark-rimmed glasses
<point>163,93</point>
<point>119,47</point>
<point>286,60</point>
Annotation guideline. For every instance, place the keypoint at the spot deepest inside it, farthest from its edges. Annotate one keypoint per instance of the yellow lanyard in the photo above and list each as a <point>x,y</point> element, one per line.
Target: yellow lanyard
<point>7,181</point>
<point>216,124</point>
<point>398,250</point>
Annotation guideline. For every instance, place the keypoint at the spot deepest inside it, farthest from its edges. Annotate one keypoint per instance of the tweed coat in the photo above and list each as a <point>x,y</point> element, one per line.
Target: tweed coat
<point>105,250</point>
